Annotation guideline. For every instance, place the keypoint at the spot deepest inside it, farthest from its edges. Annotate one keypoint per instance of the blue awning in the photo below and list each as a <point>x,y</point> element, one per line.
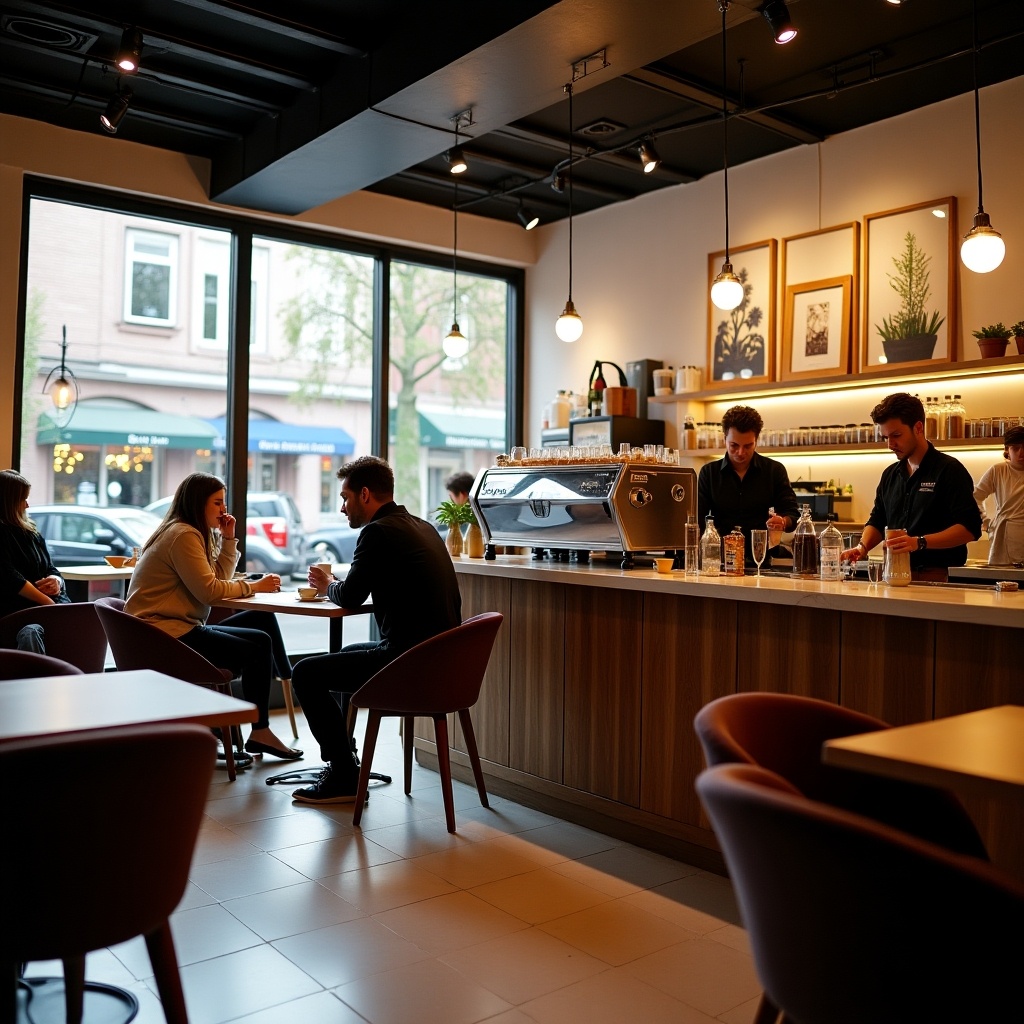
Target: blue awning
<point>277,438</point>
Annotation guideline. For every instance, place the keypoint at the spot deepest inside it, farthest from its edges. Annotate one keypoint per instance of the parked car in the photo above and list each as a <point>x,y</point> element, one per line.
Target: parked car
<point>84,534</point>
<point>282,524</point>
<point>331,542</point>
<point>261,553</point>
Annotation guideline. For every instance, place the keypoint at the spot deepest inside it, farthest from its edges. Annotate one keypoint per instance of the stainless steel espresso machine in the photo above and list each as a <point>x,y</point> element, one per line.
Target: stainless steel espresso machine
<point>568,511</point>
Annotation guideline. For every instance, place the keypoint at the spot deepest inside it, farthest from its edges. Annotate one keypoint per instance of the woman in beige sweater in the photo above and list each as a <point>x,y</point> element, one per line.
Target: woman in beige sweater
<point>182,570</point>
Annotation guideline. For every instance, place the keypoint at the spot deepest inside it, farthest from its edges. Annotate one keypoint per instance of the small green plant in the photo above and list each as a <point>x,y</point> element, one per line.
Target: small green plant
<point>450,514</point>
<point>910,283</point>
<point>994,331</point>
<point>1017,330</point>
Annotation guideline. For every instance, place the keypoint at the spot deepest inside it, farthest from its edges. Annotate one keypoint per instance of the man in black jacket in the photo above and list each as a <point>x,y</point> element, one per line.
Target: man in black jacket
<point>402,563</point>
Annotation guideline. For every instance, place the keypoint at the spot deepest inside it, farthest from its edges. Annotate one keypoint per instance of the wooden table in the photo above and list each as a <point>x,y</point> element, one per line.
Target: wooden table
<point>86,574</point>
<point>288,603</point>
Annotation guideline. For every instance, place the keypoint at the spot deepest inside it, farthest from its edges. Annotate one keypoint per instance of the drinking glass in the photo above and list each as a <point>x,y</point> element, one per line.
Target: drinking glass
<point>758,547</point>
<point>874,571</point>
<point>517,455</point>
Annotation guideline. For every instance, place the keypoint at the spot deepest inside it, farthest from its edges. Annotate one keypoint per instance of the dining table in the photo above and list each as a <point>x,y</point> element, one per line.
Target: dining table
<point>81,576</point>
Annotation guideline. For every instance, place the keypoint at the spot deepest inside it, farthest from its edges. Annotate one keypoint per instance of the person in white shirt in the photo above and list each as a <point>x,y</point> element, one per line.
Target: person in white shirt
<point>1006,481</point>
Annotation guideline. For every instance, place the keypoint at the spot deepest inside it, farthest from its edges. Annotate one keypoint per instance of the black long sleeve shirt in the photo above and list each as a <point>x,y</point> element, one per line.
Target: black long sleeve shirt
<point>24,557</point>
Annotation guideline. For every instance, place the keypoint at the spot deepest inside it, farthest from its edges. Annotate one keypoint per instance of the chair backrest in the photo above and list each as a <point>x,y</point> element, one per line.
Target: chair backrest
<point>29,665</point>
<point>440,675</point>
<point>136,644</point>
<point>785,733</point>
<point>73,633</point>
<point>853,921</point>
<point>107,860</point>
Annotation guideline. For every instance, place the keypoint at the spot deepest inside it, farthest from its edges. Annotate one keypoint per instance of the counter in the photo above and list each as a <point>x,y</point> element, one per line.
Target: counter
<point>597,673</point>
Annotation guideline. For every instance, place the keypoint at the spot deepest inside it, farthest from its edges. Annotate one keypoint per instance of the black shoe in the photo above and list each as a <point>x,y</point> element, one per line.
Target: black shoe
<point>242,761</point>
<point>330,788</point>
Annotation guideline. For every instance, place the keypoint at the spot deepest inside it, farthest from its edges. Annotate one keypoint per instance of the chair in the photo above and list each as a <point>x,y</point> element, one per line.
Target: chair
<point>73,633</point>
<point>436,678</point>
<point>103,863</point>
<point>856,922</point>
<point>784,733</point>
<point>137,644</point>
<point>28,665</point>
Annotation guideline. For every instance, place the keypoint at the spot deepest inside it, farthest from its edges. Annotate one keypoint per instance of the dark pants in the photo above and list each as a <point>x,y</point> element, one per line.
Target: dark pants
<point>316,680</point>
<point>267,622</point>
<point>31,638</point>
<point>248,652</point>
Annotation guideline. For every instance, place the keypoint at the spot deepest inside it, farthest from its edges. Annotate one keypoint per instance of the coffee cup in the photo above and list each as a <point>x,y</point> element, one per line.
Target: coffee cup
<point>326,567</point>
<point>308,593</point>
<point>664,564</point>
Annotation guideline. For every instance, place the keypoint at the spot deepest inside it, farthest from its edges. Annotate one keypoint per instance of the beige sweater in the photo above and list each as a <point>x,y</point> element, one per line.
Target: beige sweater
<point>174,584</point>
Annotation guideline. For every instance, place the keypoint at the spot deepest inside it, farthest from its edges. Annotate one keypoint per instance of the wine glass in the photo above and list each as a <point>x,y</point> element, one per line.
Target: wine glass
<point>758,547</point>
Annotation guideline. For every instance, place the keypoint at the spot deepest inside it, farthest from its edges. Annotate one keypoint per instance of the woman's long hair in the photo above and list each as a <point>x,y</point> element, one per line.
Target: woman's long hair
<point>189,506</point>
<point>14,490</point>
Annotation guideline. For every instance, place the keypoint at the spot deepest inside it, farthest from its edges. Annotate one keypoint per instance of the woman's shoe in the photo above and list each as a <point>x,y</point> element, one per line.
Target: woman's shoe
<point>284,753</point>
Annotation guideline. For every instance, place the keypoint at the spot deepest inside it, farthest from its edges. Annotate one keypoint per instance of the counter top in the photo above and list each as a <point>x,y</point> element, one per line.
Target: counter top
<point>943,603</point>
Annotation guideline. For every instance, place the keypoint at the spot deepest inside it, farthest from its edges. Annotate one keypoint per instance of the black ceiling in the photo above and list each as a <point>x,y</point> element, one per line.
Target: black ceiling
<point>300,103</point>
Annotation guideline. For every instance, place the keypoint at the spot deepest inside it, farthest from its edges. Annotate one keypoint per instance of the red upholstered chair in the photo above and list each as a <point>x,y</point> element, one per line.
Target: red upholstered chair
<point>138,644</point>
<point>73,633</point>
<point>98,864</point>
<point>853,921</point>
<point>28,665</point>
<point>434,679</point>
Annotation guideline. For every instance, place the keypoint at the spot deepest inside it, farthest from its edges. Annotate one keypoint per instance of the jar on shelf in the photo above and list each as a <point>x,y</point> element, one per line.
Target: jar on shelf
<point>931,418</point>
<point>850,433</point>
<point>866,433</point>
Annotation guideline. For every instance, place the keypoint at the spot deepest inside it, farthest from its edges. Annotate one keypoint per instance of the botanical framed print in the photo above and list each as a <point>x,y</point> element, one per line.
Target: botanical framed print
<point>816,329</point>
<point>741,342</point>
<point>910,267</point>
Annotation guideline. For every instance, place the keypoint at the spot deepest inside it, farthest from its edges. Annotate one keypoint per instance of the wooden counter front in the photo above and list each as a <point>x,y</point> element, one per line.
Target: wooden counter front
<point>588,703</point>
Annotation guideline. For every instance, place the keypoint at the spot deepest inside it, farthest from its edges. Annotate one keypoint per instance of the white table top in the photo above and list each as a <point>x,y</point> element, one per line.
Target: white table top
<point>288,603</point>
<point>57,705</point>
<point>96,572</point>
<point>981,752</point>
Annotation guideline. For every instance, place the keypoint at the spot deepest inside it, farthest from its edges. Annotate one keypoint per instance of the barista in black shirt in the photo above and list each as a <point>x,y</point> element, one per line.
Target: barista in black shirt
<point>927,493</point>
<point>739,489</point>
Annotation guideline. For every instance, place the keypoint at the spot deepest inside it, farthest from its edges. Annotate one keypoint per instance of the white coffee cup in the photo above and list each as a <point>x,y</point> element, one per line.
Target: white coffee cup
<point>307,593</point>
<point>327,567</point>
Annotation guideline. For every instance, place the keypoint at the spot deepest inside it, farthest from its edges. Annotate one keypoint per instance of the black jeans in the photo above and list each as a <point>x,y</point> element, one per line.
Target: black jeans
<point>267,622</point>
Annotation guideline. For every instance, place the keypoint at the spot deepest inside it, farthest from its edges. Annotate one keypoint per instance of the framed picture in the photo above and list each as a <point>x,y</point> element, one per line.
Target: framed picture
<point>910,267</point>
<point>741,342</point>
<point>816,329</point>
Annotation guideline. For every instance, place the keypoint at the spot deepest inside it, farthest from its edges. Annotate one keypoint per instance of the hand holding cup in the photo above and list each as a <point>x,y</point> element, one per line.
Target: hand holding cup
<point>320,577</point>
<point>269,584</point>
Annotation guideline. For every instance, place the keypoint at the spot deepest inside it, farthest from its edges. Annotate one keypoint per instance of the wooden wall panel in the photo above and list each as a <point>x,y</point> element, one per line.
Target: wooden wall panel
<point>689,658</point>
<point>888,667</point>
<point>536,677</point>
<point>603,637</point>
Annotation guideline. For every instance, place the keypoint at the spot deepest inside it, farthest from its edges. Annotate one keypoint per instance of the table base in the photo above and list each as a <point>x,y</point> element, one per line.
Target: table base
<point>41,1001</point>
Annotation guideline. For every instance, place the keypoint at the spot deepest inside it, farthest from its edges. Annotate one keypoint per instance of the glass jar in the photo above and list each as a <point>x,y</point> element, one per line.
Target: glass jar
<point>805,546</point>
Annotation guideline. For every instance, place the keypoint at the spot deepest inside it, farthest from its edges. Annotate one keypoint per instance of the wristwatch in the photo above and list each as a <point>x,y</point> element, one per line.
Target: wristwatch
<point>922,543</point>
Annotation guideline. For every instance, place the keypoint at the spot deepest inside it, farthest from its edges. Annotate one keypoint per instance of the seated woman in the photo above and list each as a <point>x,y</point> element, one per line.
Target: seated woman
<point>28,576</point>
<point>182,569</point>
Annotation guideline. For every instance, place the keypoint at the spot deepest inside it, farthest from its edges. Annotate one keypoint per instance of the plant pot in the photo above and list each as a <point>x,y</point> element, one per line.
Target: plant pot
<point>474,541</point>
<point>1020,344</point>
<point>993,348</point>
<point>910,349</point>
<point>453,542</point>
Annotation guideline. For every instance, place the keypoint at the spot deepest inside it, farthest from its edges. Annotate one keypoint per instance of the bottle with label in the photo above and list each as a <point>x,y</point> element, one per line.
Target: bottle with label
<point>734,544</point>
<point>830,546</point>
<point>805,546</point>
<point>710,550</point>
<point>691,548</point>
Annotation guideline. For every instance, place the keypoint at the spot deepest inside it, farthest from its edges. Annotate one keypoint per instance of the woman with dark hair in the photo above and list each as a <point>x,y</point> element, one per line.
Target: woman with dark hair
<point>183,568</point>
<point>27,574</point>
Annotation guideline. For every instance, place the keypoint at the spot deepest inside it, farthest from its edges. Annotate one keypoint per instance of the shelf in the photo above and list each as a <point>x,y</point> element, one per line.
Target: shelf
<point>980,444</point>
<point>869,378</point>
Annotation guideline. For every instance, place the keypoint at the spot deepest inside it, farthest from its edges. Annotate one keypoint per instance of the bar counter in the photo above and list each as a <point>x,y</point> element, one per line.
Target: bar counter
<point>588,702</point>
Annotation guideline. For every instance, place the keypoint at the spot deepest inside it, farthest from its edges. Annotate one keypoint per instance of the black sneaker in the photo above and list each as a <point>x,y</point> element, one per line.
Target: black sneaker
<point>329,788</point>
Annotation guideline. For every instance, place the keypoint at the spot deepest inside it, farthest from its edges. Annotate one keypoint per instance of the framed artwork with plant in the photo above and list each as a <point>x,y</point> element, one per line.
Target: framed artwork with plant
<point>741,342</point>
<point>910,290</point>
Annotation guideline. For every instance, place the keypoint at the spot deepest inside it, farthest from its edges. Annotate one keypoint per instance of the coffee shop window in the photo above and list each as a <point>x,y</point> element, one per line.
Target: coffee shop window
<point>151,272</point>
<point>211,284</point>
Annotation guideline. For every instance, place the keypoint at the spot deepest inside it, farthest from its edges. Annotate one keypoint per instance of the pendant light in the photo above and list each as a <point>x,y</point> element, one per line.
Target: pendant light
<point>569,326</point>
<point>982,249</point>
<point>726,289</point>
<point>455,344</point>
<point>63,389</point>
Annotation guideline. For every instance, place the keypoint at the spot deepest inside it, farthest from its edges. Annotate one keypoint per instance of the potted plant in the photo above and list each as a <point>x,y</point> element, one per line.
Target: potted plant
<point>910,333</point>
<point>992,340</point>
<point>1018,335</point>
<point>453,515</point>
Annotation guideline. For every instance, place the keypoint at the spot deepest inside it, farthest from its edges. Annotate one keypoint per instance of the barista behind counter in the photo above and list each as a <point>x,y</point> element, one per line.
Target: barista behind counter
<point>740,488</point>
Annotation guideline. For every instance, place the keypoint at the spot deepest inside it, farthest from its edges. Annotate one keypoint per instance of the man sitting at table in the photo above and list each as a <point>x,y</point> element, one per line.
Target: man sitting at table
<point>400,562</point>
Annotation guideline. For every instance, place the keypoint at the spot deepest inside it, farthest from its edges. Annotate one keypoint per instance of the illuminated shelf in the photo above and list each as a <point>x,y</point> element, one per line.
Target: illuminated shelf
<point>970,444</point>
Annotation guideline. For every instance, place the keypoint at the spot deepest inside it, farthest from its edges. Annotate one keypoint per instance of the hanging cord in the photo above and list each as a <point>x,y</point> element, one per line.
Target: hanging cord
<point>455,244</point>
<point>723,7</point>
<point>977,102</point>
<point>568,170</point>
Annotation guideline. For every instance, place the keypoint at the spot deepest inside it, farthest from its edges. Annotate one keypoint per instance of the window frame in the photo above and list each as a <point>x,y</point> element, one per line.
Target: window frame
<point>172,262</point>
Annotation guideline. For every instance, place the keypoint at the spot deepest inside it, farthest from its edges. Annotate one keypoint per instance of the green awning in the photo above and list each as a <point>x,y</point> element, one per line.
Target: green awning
<point>458,430</point>
<point>121,426</point>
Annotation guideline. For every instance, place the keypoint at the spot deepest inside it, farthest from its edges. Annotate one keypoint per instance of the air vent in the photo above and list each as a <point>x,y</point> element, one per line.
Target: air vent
<point>47,33</point>
<point>603,126</point>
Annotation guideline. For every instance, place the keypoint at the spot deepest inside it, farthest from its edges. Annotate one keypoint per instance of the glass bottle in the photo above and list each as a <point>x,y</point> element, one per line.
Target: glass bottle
<point>957,415</point>
<point>805,546</point>
<point>691,546</point>
<point>830,546</point>
<point>774,532</point>
<point>944,411</point>
<point>710,550</point>
<point>734,545</point>
<point>931,419</point>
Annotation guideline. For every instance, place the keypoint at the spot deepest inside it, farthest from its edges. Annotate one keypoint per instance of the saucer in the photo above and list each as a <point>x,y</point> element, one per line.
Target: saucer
<point>310,600</point>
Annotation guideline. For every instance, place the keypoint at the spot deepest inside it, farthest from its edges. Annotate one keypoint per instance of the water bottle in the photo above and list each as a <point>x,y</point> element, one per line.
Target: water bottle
<point>710,550</point>
<point>691,546</point>
<point>830,544</point>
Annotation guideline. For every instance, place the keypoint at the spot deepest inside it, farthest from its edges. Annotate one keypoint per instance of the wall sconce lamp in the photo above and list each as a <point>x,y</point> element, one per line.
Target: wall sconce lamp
<point>777,15</point>
<point>569,326</point>
<point>117,107</point>
<point>128,52</point>
<point>62,387</point>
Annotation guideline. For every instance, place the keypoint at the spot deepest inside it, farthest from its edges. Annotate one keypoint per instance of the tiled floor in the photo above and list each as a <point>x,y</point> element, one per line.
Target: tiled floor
<point>294,917</point>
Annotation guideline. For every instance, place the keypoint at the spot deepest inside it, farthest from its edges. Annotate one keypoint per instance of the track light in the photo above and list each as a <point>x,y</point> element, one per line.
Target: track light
<point>128,52</point>
<point>558,182</point>
<point>648,156</point>
<point>117,107</point>
<point>456,160</point>
<point>527,217</point>
<point>777,15</point>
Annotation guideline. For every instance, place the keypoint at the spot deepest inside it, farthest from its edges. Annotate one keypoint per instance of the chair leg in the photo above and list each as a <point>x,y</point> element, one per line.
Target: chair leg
<point>164,959</point>
<point>289,703</point>
<point>474,757</point>
<point>229,756</point>
<point>74,988</point>
<point>444,768</point>
<point>408,742</point>
<point>767,1012</point>
<point>369,743</point>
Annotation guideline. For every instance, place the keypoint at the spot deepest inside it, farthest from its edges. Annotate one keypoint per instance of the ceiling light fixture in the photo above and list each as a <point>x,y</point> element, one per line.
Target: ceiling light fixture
<point>527,217</point>
<point>117,107</point>
<point>455,343</point>
<point>648,155</point>
<point>726,289</point>
<point>456,158</point>
<point>569,326</point>
<point>777,15</point>
<point>129,51</point>
<point>982,249</point>
<point>62,388</point>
